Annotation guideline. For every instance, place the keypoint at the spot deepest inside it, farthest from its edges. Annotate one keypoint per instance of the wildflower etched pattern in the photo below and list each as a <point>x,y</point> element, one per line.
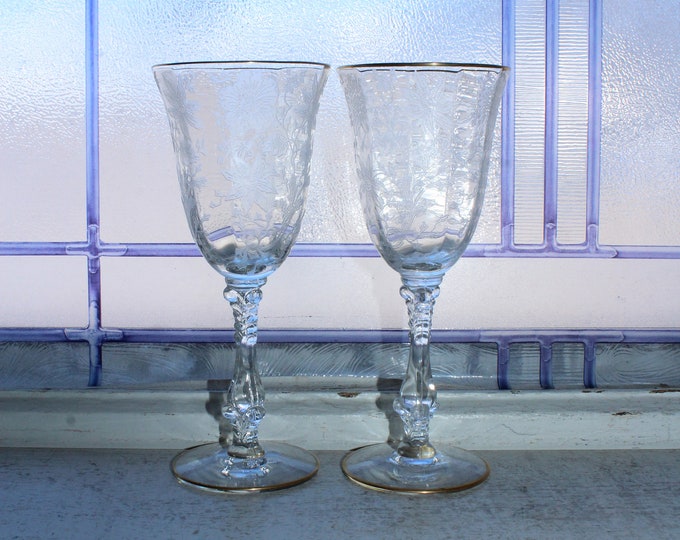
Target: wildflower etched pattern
<point>243,142</point>
<point>420,147</point>
<point>422,141</point>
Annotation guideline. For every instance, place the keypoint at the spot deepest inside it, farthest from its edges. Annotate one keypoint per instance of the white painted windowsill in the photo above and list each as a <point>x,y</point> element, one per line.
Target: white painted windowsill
<point>564,464</point>
<point>329,420</point>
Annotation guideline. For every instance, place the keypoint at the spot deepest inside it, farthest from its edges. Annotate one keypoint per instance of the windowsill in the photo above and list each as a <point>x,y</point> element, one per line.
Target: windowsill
<point>563,464</point>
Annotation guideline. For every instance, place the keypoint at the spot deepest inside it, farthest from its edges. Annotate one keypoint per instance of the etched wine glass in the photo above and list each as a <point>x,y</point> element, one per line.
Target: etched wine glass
<point>422,135</point>
<point>242,134</point>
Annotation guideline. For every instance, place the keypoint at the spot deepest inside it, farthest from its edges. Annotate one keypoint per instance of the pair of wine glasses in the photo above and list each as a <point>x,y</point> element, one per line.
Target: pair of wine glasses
<point>242,134</point>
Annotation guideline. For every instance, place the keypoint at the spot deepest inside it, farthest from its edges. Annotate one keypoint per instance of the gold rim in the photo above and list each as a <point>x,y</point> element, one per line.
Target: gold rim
<point>243,63</point>
<point>226,489</point>
<point>385,488</point>
<point>416,65</point>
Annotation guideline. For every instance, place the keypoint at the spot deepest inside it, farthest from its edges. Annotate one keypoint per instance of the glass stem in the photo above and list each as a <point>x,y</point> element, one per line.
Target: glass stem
<point>245,399</point>
<point>417,399</point>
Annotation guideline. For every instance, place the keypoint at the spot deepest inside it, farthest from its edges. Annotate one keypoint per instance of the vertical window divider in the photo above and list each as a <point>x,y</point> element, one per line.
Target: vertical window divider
<point>551,123</point>
<point>594,124</point>
<point>508,130</point>
<point>93,333</point>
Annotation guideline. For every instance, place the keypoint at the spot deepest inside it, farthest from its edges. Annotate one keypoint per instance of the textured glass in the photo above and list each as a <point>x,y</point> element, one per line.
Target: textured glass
<point>626,365</point>
<point>136,35</point>
<point>335,366</point>
<point>477,293</point>
<point>567,365</point>
<point>193,305</point>
<point>42,192</point>
<point>524,366</point>
<point>196,305</point>
<point>145,365</point>
<point>42,126</point>
<point>640,174</point>
<point>572,149</point>
<point>422,139</point>
<point>327,366</point>
<point>242,135</point>
<point>43,292</point>
<point>27,365</point>
<point>529,74</point>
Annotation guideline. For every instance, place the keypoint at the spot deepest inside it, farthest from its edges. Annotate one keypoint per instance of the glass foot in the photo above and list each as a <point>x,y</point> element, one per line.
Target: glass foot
<point>205,467</point>
<point>379,467</point>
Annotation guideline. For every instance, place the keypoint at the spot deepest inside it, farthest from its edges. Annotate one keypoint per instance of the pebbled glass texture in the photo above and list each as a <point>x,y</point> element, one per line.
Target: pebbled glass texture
<point>42,121</point>
<point>242,134</point>
<point>136,35</point>
<point>640,173</point>
<point>422,139</point>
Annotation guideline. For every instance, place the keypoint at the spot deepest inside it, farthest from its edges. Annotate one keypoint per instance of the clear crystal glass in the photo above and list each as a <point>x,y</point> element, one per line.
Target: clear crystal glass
<point>242,134</point>
<point>422,140</point>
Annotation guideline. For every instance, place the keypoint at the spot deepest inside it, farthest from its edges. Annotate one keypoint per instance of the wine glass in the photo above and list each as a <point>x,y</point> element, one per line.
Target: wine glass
<point>422,137</point>
<point>242,134</point>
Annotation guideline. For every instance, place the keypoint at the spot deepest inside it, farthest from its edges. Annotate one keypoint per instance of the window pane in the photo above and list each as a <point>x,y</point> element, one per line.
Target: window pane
<point>567,365</point>
<point>640,128</point>
<point>363,294</point>
<point>621,365</point>
<point>42,121</point>
<point>524,366</point>
<point>529,120</point>
<point>43,292</point>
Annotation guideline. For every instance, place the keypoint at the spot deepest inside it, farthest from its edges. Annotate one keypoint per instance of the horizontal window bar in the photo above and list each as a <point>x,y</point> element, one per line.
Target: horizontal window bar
<point>341,250</point>
<point>188,335</point>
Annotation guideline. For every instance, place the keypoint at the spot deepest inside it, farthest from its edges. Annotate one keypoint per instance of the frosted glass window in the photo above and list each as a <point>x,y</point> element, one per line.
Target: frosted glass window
<point>640,128</point>
<point>42,121</point>
<point>140,201</point>
<point>572,136</point>
<point>571,277</point>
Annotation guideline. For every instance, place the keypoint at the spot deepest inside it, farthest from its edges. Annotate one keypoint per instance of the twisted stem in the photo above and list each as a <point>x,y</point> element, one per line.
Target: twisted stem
<point>417,399</point>
<point>244,408</point>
